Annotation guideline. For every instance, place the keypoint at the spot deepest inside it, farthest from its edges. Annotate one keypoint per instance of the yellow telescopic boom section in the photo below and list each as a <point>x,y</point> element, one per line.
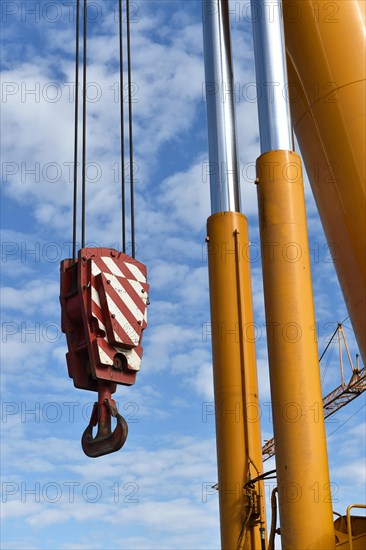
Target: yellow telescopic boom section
<point>304,496</point>
<point>326,58</point>
<point>301,455</point>
<point>239,454</point>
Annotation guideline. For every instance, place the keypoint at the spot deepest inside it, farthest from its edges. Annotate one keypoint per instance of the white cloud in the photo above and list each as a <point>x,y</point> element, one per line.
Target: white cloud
<point>169,482</point>
<point>203,381</point>
<point>187,194</point>
<point>163,274</point>
<point>351,471</point>
<point>34,296</point>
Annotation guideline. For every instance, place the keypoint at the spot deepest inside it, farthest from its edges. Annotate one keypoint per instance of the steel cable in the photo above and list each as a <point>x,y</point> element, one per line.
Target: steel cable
<point>121,84</point>
<point>84,128</point>
<point>331,338</point>
<point>83,198</point>
<point>132,198</point>
<point>76,131</point>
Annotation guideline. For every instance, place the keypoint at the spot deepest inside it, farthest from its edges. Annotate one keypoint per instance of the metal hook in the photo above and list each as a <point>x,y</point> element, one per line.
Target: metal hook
<point>105,441</point>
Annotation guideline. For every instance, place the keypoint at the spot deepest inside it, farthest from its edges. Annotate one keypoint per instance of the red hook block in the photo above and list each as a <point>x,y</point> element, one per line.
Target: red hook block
<point>104,298</point>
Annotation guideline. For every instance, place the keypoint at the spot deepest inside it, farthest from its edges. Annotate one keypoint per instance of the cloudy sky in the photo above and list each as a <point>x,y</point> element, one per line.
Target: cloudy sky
<point>155,493</point>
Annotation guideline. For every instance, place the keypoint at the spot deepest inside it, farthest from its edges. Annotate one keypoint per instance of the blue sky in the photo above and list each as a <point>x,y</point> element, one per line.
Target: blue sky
<point>155,493</point>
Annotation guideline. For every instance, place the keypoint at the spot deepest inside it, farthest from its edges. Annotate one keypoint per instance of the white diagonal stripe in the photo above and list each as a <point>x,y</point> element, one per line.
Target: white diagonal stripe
<point>112,266</point>
<point>137,273</point>
<point>133,359</point>
<point>96,300</point>
<point>143,295</point>
<point>126,298</point>
<point>122,321</point>
<point>95,296</point>
<point>137,287</point>
<point>95,269</point>
<point>104,357</point>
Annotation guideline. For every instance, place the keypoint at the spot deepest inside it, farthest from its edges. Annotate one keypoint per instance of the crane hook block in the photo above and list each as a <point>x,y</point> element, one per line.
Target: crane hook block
<point>104,297</point>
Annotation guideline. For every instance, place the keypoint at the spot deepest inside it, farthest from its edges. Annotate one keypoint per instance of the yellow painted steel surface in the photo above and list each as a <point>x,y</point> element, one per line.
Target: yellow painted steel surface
<point>235,379</point>
<point>358,543</point>
<point>350,530</point>
<point>326,60</point>
<point>301,455</point>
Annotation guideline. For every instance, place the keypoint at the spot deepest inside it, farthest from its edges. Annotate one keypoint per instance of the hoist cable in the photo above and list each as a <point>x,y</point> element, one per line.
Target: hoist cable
<point>121,84</point>
<point>84,128</point>
<point>76,131</point>
<point>132,198</point>
<point>84,132</point>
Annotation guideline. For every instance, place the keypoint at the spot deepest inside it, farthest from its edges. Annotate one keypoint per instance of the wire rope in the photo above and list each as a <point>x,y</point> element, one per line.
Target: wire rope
<point>331,338</point>
<point>76,131</point>
<point>83,198</point>
<point>121,84</point>
<point>132,197</point>
<point>122,127</point>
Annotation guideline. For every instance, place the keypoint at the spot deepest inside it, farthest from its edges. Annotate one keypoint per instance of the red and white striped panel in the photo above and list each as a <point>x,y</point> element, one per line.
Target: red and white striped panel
<point>119,294</point>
